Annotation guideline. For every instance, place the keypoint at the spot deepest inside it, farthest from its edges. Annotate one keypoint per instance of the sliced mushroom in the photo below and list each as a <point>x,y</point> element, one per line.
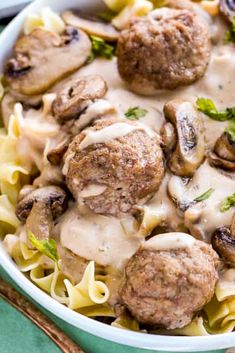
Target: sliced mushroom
<point>72,266</point>
<point>51,196</point>
<point>55,154</point>
<point>223,241</point>
<point>44,57</point>
<point>189,150</point>
<point>11,98</point>
<point>91,25</point>
<point>224,153</point>
<point>26,189</point>
<point>40,221</point>
<point>77,95</point>
<point>169,138</point>
<point>225,147</point>
<point>216,161</point>
<point>227,8</point>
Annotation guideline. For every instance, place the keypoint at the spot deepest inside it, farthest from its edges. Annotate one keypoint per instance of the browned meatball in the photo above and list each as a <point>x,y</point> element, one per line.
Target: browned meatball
<point>168,287</point>
<point>113,174</point>
<point>167,49</point>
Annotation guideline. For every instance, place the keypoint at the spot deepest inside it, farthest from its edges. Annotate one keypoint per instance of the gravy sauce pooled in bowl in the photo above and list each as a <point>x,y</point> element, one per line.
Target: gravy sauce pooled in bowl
<point>117,169</point>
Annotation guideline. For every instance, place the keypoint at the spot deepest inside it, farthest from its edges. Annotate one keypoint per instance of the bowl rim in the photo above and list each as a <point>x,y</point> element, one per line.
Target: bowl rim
<point>96,328</point>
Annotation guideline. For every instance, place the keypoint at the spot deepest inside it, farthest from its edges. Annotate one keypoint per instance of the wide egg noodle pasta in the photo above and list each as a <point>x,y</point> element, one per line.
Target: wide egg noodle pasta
<point>97,310</point>
<point>195,328</point>
<point>126,322</point>
<point>221,309</point>
<point>10,165</point>
<point>132,9</point>
<point>225,287</point>
<point>47,19</point>
<point>88,292</point>
<point>7,212</point>
<point>14,247</point>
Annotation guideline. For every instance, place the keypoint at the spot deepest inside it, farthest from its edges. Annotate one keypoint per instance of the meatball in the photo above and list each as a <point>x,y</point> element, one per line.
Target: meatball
<point>114,165</point>
<point>167,49</point>
<point>169,279</point>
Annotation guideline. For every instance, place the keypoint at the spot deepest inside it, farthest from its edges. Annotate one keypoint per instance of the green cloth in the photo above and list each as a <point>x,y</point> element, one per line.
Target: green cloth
<point>20,335</point>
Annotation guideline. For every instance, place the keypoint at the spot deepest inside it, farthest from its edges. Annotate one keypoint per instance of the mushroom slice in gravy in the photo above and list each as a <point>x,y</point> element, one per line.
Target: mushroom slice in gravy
<point>60,55</point>
<point>77,95</point>
<point>223,155</point>
<point>52,196</point>
<point>227,8</point>
<point>202,218</point>
<point>188,153</point>
<point>91,25</point>
<point>223,241</point>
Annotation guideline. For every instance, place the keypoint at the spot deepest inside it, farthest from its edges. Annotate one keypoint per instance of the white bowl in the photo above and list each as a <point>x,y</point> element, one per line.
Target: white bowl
<point>141,341</point>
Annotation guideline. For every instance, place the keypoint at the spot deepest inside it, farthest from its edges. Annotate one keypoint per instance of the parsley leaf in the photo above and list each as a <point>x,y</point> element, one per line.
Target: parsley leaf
<point>204,196</point>
<point>231,130</point>
<point>135,113</point>
<point>100,48</point>
<point>227,203</point>
<point>46,246</point>
<point>206,106</point>
<point>230,34</point>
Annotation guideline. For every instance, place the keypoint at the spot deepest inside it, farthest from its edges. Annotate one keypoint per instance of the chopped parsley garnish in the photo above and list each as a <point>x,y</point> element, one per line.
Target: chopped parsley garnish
<point>100,49</point>
<point>231,130</point>
<point>230,34</point>
<point>45,246</point>
<point>206,106</point>
<point>228,203</point>
<point>135,113</point>
<point>204,196</point>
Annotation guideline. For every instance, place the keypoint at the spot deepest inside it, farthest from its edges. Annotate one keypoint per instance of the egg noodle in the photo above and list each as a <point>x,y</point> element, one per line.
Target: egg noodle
<point>90,295</point>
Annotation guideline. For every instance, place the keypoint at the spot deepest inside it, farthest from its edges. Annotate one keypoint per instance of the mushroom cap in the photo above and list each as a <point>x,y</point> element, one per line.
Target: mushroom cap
<point>219,162</point>
<point>225,147</point>
<point>168,287</point>
<point>189,149</point>
<point>55,154</point>
<point>167,49</point>
<point>52,196</point>
<point>223,155</point>
<point>43,57</point>
<point>77,95</point>
<point>227,8</point>
<point>115,174</point>
<point>223,242</point>
<point>91,25</point>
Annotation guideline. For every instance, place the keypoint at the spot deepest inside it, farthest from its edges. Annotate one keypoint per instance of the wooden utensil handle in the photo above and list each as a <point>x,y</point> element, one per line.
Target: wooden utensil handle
<point>21,303</point>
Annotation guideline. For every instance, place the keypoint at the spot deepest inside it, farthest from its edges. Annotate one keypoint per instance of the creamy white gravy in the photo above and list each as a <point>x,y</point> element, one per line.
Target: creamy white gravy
<point>37,129</point>
<point>170,241</point>
<point>107,240</point>
<point>203,217</point>
<point>108,133</point>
